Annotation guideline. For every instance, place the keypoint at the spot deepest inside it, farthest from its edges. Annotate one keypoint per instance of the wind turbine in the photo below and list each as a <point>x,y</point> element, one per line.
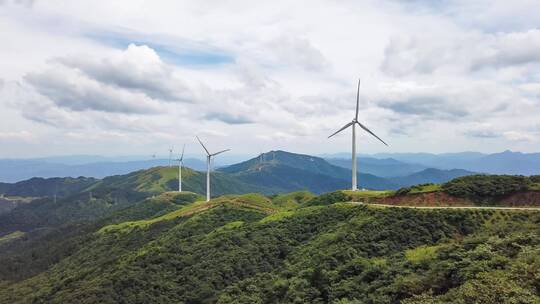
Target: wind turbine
<point>353,123</point>
<point>180,164</point>
<point>208,166</point>
<point>170,155</point>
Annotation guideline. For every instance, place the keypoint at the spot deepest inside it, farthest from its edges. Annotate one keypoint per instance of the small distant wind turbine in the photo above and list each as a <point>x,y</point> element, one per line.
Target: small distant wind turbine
<point>208,166</point>
<point>180,164</point>
<point>170,155</point>
<point>353,123</point>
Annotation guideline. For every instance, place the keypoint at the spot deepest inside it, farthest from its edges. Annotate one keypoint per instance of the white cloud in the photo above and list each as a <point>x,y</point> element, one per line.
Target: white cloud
<point>70,89</point>
<point>18,135</point>
<point>520,136</point>
<point>138,68</point>
<point>288,51</point>
<point>270,75</point>
<point>461,52</point>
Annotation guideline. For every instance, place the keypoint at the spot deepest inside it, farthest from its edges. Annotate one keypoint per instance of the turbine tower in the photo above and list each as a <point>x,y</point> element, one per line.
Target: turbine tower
<point>353,123</point>
<point>180,164</point>
<point>208,166</point>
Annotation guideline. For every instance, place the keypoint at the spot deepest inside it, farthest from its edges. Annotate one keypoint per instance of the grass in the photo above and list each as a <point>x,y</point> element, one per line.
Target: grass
<point>367,195</point>
<point>425,188</point>
<point>535,187</point>
<point>228,226</point>
<point>126,227</point>
<point>157,179</point>
<point>12,236</point>
<point>250,201</point>
<point>277,216</point>
<point>421,254</point>
<point>292,200</point>
<point>25,199</point>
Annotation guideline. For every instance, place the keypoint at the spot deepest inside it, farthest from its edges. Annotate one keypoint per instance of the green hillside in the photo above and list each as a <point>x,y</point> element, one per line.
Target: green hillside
<point>40,187</point>
<point>284,172</point>
<point>128,239</point>
<point>161,179</point>
<point>308,163</point>
<point>91,199</point>
<point>293,248</point>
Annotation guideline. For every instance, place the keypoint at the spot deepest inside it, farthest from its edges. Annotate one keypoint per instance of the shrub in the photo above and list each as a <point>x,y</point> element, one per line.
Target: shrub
<point>534,178</point>
<point>479,187</point>
<point>402,191</point>
<point>328,199</point>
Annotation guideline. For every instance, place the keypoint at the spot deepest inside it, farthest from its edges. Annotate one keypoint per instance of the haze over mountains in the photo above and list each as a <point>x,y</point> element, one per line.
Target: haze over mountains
<point>387,171</point>
<point>13,170</point>
<point>507,162</point>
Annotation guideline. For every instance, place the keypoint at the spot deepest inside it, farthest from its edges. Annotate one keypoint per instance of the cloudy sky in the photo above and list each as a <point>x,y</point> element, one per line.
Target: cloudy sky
<point>134,77</point>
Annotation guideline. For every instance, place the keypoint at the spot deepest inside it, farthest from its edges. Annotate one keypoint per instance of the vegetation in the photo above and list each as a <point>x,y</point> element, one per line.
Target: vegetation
<point>40,187</point>
<point>285,172</point>
<point>292,200</point>
<point>485,188</point>
<point>89,199</point>
<point>366,194</point>
<point>11,236</point>
<point>253,249</point>
<point>422,188</point>
<point>328,199</point>
<point>297,247</point>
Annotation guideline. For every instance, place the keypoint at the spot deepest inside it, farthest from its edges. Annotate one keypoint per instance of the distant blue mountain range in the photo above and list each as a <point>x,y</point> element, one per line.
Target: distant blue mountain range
<point>506,162</point>
<point>387,170</point>
<point>13,170</point>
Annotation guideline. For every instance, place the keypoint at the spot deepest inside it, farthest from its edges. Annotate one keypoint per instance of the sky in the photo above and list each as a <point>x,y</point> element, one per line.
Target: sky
<point>137,77</point>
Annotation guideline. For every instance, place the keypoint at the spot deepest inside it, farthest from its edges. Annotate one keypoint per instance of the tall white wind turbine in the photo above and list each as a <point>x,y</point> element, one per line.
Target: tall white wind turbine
<point>208,166</point>
<point>353,123</point>
<point>180,164</point>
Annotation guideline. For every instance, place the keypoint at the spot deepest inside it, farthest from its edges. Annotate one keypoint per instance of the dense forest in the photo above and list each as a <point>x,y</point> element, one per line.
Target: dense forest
<point>289,248</point>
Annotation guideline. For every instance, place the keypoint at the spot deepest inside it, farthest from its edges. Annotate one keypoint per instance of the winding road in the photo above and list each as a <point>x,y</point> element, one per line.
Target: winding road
<point>452,207</point>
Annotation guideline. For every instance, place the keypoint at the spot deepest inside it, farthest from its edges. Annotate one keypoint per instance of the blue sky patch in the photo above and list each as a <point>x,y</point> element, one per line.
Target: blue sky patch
<point>179,51</point>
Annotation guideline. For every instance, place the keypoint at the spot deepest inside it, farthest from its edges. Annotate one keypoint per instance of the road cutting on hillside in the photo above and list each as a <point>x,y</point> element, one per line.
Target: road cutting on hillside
<point>450,207</point>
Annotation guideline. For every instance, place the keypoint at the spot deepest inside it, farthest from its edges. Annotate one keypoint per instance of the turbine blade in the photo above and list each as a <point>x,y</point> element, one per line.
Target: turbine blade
<point>220,152</point>
<point>202,145</point>
<point>182,156</point>
<point>369,131</point>
<point>357,99</point>
<point>344,127</point>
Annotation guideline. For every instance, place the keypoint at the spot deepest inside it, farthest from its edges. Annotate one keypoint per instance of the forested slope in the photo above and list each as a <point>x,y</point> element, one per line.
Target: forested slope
<point>295,249</point>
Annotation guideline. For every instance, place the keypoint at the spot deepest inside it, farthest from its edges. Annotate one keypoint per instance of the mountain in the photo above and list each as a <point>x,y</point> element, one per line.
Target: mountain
<point>506,162</point>
<point>285,171</point>
<point>446,160</point>
<point>430,175</point>
<point>253,249</point>
<point>38,187</point>
<point>13,170</point>
<point>384,167</point>
<point>85,199</point>
<point>309,163</point>
<point>54,202</point>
